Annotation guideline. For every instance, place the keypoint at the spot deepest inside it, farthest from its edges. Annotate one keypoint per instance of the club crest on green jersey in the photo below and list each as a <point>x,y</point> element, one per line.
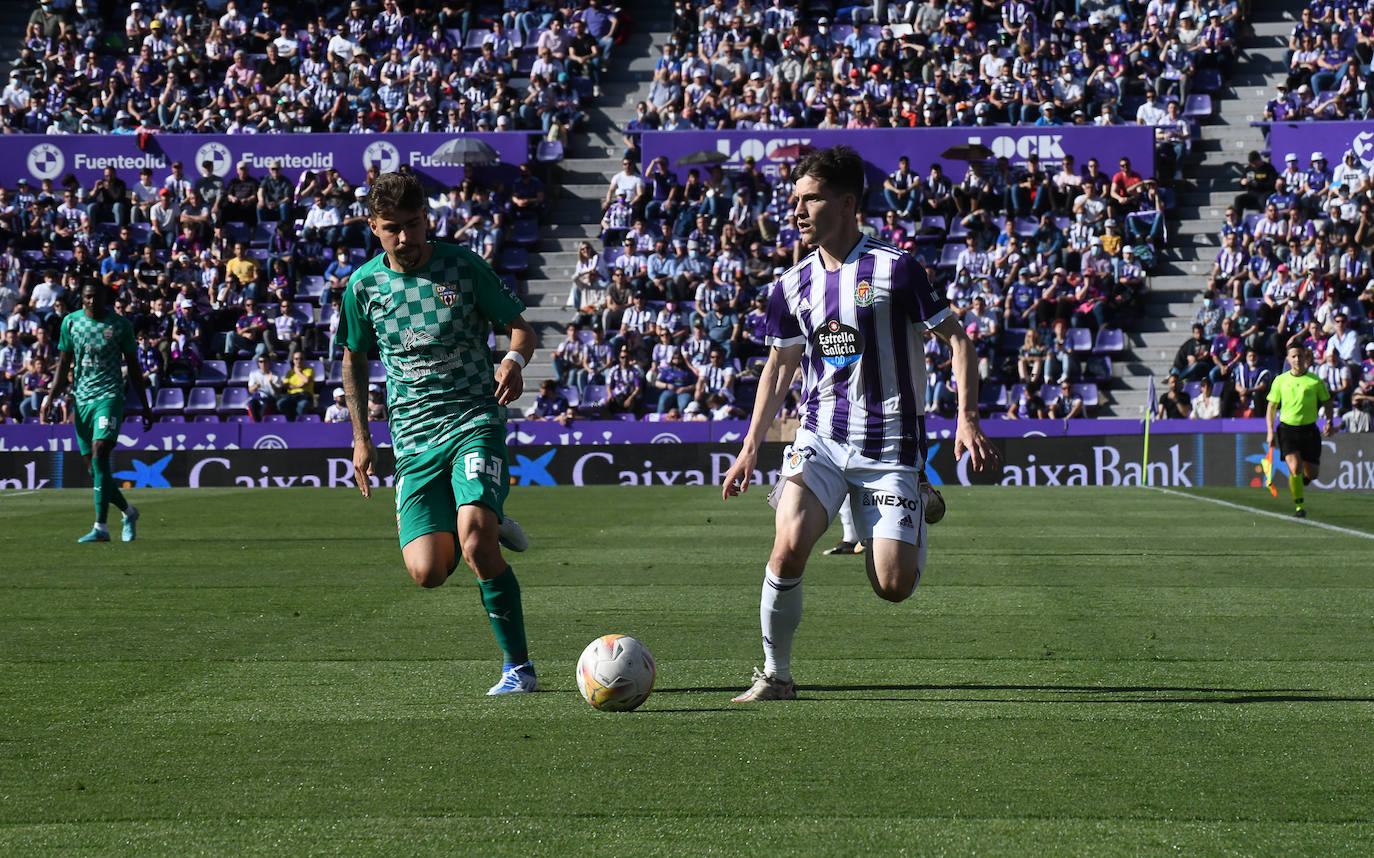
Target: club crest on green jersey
<point>447,292</point>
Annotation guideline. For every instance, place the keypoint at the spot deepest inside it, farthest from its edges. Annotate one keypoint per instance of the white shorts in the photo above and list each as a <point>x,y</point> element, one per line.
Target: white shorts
<point>885,496</point>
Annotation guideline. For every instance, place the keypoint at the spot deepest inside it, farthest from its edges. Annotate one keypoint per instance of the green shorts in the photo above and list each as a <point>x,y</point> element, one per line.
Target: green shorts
<point>430,486</point>
<point>97,421</point>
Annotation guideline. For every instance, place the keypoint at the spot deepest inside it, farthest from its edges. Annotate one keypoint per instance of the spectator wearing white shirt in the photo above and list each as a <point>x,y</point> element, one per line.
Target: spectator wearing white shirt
<point>337,412</point>
<point>321,223</point>
<point>1150,113</point>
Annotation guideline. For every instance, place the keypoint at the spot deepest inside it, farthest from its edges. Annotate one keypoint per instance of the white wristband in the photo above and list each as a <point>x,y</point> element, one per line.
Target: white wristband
<point>515,356</point>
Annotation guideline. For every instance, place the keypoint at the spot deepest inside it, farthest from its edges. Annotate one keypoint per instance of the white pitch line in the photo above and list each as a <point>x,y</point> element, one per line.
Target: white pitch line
<point>1278,515</point>
<point>15,494</point>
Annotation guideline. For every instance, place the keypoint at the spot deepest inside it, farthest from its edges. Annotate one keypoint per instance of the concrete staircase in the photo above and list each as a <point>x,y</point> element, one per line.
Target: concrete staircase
<point>575,214</point>
<point>1209,184</point>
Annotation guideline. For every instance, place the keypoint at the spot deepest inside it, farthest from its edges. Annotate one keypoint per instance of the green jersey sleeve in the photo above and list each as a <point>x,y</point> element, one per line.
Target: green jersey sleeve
<point>64,337</point>
<point>355,328</point>
<point>495,299</point>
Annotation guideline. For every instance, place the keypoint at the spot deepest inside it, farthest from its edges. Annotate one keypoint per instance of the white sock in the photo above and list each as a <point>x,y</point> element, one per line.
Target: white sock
<point>780,611</point>
<point>101,527</point>
<point>847,522</point>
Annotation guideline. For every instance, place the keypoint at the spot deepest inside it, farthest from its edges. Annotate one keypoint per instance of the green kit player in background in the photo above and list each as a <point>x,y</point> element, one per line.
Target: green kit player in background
<point>429,309</point>
<point>94,343</point>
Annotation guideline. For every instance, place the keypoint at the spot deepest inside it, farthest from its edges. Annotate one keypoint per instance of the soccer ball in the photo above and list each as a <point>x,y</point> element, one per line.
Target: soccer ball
<point>615,673</point>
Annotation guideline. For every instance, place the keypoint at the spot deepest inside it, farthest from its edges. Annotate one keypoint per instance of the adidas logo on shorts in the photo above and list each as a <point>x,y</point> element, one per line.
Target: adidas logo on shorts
<point>905,522</point>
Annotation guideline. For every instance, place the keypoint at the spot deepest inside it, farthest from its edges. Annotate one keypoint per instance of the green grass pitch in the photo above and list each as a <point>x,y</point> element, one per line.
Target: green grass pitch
<point>1094,672</point>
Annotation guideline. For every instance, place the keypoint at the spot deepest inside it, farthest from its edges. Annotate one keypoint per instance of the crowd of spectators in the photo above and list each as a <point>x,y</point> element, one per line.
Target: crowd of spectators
<point>1328,62</point>
<point>242,67</point>
<point>1060,255</point>
<point>212,270</point>
<point>1293,269</point>
<point>937,63</point>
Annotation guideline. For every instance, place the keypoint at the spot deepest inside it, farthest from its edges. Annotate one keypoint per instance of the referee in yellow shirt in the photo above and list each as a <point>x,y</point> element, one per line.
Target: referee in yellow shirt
<point>1295,396</point>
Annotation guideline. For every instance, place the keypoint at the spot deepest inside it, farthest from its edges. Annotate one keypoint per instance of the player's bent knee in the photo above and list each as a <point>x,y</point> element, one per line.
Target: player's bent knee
<point>897,588</point>
<point>428,574</point>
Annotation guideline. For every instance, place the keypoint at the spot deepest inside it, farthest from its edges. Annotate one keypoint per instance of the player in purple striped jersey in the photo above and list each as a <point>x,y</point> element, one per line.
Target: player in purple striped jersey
<point>851,314</point>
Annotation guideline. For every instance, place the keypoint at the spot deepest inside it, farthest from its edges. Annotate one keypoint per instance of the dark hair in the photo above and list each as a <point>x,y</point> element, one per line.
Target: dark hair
<point>839,166</point>
<point>393,192</point>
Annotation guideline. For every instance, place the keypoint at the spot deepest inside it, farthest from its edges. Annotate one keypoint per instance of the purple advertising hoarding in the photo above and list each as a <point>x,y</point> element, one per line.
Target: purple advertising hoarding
<point>881,147</point>
<point>167,437</point>
<point>37,157</point>
<point>1329,138</point>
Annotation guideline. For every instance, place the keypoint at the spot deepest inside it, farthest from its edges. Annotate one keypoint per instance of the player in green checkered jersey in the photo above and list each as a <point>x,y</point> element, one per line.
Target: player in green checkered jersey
<point>429,309</point>
<point>93,343</point>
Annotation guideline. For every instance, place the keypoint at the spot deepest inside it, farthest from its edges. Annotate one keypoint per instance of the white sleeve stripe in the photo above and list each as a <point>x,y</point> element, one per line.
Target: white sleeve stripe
<point>784,342</point>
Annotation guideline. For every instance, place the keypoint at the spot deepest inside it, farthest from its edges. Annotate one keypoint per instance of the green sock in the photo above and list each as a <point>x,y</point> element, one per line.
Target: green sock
<point>99,478</point>
<point>501,599</point>
<point>1295,486</point>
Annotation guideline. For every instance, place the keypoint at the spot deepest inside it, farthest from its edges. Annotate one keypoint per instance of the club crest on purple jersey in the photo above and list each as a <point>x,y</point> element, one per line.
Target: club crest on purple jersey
<point>863,294</point>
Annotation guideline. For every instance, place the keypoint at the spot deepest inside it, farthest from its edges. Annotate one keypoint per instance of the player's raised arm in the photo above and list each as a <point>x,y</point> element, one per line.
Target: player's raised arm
<point>355,389</point>
<point>774,382</point>
<point>967,434</point>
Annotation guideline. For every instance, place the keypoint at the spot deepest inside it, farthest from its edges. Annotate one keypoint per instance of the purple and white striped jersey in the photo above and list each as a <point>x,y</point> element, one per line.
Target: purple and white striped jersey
<point>863,358</point>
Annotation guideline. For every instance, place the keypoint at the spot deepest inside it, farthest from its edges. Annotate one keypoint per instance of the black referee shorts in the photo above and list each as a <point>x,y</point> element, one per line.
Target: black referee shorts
<point>1306,441</point>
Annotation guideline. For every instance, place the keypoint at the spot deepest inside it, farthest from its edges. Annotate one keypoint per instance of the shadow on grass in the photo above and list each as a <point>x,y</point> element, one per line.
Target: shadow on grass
<point>1068,693</point>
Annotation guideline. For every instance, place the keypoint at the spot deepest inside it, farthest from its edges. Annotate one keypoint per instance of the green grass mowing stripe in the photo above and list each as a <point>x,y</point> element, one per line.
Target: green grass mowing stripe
<point>1301,521</point>
<point>1091,672</point>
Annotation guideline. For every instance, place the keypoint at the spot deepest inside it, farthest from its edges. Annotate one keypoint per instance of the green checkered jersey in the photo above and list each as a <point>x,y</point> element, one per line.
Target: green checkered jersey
<point>431,327</point>
<point>98,347</point>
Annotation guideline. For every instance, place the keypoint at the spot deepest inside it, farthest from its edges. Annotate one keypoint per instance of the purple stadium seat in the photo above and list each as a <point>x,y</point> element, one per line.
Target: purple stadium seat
<point>1088,391</point>
<point>594,396</point>
<point>587,336</point>
<point>205,418</point>
<point>570,394</point>
<point>170,400</point>
<point>957,231</point>
<point>262,233</point>
<point>234,401</point>
<point>949,255</point>
<point>1098,368</point>
<point>992,397</point>
<point>326,316</point>
<point>312,288</point>
<point>131,403</point>
<point>1198,106</point>
<point>936,222</point>
<point>274,418</point>
<point>525,232</point>
<point>238,231</point>
<point>512,283</point>
<point>1026,226</point>
<point>202,401</point>
<point>549,152</point>
<point>1110,341</point>
<point>513,259</point>
<point>376,372</point>
<point>172,418</point>
<point>238,373</point>
<point>335,377</point>
<point>474,41</point>
<point>309,418</point>
<point>212,374</point>
<point>1207,80</point>
<point>1080,340</point>
<point>238,418</point>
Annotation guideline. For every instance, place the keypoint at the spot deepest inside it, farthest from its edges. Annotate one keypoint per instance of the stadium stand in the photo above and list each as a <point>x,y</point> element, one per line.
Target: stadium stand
<point>187,249</point>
